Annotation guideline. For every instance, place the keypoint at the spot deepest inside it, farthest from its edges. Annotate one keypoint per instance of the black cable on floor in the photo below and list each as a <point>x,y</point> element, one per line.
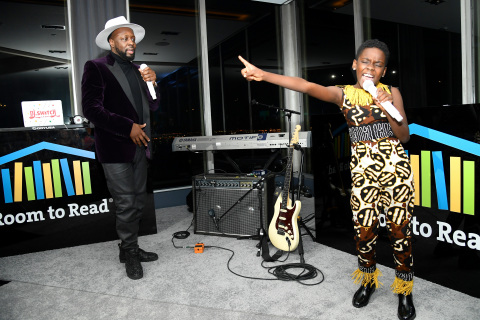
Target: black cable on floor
<point>237,274</point>
<point>182,235</point>
<point>280,272</point>
<point>309,272</point>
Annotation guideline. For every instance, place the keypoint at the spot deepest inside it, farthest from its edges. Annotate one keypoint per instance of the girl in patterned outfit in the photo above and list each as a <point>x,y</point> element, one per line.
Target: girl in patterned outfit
<point>382,179</point>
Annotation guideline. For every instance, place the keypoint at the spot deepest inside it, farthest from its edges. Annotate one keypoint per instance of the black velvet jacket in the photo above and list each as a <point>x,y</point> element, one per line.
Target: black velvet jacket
<point>107,102</point>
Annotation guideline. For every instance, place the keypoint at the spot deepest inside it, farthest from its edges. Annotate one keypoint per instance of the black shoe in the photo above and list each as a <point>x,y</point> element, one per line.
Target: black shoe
<point>132,264</point>
<point>143,255</point>
<point>362,296</point>
<point>406,310</point>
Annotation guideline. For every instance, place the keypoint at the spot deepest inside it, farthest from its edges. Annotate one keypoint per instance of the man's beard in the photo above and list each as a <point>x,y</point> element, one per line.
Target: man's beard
<point>123,55</point>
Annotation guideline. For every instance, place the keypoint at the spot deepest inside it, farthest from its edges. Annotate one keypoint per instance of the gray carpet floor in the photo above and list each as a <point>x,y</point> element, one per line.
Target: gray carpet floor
<point>88,282</point>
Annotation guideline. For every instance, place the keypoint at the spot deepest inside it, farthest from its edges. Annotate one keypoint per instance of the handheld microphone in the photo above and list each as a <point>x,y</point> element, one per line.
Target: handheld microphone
<point>370,87</point>
<point>211,213</point>
<point>149,84</point>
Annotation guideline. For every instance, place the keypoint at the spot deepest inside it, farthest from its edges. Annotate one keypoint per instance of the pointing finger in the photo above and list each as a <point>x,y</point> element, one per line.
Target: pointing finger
<point>245,62</point>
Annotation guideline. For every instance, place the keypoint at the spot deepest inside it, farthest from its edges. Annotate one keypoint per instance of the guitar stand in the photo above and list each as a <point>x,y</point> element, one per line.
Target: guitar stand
<point>300,244</point>
<point>302,224</point>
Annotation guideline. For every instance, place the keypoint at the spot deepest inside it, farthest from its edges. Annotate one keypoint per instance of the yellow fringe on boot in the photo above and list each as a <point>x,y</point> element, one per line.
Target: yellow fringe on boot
<point>402,287</point>
<point>367,278</point>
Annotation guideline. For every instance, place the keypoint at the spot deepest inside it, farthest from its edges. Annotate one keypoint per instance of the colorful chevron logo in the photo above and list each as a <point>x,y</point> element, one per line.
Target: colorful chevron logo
<point>462,172</point>
<point>44,180</point>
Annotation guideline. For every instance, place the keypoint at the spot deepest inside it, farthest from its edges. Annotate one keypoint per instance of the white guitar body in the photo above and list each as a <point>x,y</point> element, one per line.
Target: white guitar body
<point>283,230</point>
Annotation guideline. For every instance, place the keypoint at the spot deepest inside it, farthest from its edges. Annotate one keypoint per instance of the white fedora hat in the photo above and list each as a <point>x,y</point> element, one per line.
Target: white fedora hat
<point>112,25</point>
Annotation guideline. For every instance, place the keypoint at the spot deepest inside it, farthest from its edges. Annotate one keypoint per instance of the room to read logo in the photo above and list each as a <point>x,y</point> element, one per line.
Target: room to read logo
<point>458,198</point>
<point>40,180</point>
<point>461,192</point>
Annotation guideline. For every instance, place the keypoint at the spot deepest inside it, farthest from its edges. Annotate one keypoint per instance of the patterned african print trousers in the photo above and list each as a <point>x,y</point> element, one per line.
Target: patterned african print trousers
<point>382,183</point>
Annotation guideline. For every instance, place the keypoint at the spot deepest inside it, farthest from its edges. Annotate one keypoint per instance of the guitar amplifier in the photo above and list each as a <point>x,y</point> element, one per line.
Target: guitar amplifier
<point>232,206</point>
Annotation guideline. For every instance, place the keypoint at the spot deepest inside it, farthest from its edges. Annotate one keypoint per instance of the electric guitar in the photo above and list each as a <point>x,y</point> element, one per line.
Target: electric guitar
<point>283,230</point>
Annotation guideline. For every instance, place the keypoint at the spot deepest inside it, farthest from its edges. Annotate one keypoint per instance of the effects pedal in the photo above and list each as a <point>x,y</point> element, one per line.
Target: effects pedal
<point>199,247</point>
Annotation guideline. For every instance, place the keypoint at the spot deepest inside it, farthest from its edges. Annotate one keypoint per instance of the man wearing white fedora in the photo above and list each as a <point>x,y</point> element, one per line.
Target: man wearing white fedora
<point>116,99</point>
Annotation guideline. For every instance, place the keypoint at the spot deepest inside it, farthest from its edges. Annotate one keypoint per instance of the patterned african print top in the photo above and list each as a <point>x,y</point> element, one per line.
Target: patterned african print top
<point>366,121</point>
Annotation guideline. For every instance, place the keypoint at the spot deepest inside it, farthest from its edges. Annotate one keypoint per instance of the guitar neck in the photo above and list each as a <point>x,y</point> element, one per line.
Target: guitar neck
<point>288,177</point>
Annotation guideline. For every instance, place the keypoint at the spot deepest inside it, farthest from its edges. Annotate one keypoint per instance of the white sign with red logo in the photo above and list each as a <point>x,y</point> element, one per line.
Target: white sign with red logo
<point>42,113</point>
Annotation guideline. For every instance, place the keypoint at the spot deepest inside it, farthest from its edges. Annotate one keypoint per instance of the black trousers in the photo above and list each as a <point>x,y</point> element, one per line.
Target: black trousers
<point>127,183</point>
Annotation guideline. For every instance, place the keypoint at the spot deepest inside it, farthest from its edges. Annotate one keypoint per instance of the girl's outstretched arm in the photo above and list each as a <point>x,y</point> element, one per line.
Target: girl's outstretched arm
<point>328,94</point>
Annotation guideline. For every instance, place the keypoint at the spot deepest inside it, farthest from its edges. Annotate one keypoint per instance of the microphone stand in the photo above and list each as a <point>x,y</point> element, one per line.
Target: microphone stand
<point>256,185</point>
<point>261,233</point>
<point>288,114</point>
<point>301,223</point>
